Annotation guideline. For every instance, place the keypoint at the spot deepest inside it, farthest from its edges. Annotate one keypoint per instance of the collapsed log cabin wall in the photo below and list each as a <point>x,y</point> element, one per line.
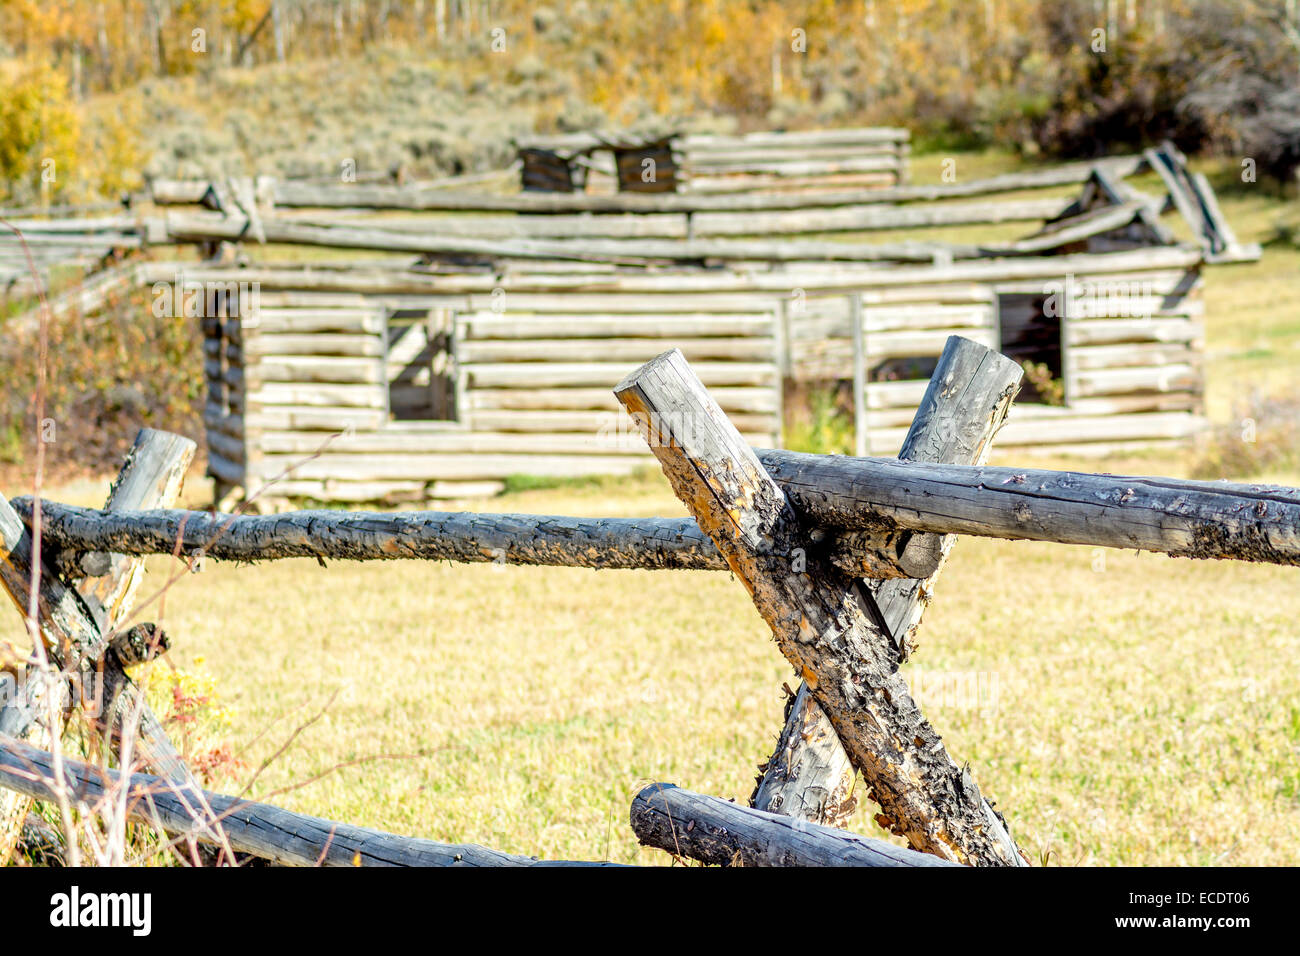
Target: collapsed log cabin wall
<point>520,383</point>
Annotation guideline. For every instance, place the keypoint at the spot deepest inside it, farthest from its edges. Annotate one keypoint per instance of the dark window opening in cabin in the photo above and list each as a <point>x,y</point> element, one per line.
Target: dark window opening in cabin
<point>421,365</point>
<point>1032,337</point>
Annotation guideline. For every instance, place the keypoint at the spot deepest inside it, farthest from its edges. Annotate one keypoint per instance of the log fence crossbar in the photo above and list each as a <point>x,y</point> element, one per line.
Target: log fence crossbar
<point>837,494</point>
<point>839,554</point>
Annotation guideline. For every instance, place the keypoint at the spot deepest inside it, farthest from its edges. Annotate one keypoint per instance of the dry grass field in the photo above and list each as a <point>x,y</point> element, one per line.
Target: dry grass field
<point>1120,708</point>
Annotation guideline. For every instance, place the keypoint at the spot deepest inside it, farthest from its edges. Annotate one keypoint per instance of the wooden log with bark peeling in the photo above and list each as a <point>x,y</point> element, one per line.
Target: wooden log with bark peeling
<point>723,833</point>
<point>88,614</point>
<point>818,616</point>
<point>809,775</point>
<point>1183,518</point>
<point>649,543</point>
<point>260,829</point>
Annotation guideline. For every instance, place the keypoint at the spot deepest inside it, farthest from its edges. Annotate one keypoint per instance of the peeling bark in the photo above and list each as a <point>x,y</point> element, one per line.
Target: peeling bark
<point>1182,518</point>
<point>730,834</point>
<point>649,543</point>
<point>256,828</point>
<point>819,618</point>
<point>78,623</point>
<point>808,775</point>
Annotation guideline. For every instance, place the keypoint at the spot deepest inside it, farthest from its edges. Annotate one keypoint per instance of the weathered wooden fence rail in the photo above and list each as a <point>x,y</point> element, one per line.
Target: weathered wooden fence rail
<point>259,829</point>
<point>720,832</point>
<point>1179,517</point>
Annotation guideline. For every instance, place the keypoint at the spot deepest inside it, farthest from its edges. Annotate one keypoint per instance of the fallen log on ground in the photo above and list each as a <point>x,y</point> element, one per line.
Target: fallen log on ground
<point>257,828</point>
<point>723,833</point>
<point>1183,518</point>
<point>649,543</point>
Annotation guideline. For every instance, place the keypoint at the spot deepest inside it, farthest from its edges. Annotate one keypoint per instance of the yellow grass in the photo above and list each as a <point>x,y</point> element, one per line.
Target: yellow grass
<point>1119,708</point>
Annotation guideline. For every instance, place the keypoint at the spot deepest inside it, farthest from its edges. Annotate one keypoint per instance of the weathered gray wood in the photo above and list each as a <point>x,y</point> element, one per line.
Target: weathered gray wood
<point>448,241</point>
<point>263,830</point>
<point>1175,516</point>
<point>966,402</point>
<point>723,833</point>
<point>312,286</point>
<point>647,543</point>
<point>357,196</point>
<point>1194,519</point>
<point>818,616</point>
<point>809,775</point>
<point>151,475</point>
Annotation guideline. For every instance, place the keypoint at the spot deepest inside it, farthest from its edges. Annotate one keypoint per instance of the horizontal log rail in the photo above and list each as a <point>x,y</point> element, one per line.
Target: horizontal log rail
<point>1183,518</point>
<point>260,829</point>
<point>653,544</point>
<point>716,831</point>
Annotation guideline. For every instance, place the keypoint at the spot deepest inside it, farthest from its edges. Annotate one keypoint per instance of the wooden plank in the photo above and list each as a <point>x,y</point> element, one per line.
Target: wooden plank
<point>723,833</point>
<point>288,195</point>
<point>260,829</point>
<point>1107,428</point>
<point>921,343</point>
<point>1090,358</point>
<point>902,394</point>
<point>1079,334</point>
<point>448,467</point>
<point>435,443</point>
<point>847,136</point>
<point>480,352</point>
<point>740,399</point>
<point>816,616</point>
<point>276,321</point>
<point>857,335</point>
<point>1118,381</point>
<point>511,325</point>
<point>807,185</point>
<point>307,418</point>
<point>320,343</point>
<point>608,421</point>
<point>789,166</point>
<point>223,469</point>
<point>322,395</point>
<point>328,369</point>
<point>595,374</point>
<point>902,318</point>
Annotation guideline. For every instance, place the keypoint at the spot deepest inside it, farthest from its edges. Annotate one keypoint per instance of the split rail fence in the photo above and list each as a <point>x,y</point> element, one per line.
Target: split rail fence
<point>840,556</point>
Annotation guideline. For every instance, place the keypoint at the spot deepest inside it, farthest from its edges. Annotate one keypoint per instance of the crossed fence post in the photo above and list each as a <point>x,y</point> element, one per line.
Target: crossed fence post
<point>820,616</point>
<point>77,624</point>
<point>809,776</point>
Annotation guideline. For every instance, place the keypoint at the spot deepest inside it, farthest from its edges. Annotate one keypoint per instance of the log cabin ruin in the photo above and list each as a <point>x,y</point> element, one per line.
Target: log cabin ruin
<point>484,341</point>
